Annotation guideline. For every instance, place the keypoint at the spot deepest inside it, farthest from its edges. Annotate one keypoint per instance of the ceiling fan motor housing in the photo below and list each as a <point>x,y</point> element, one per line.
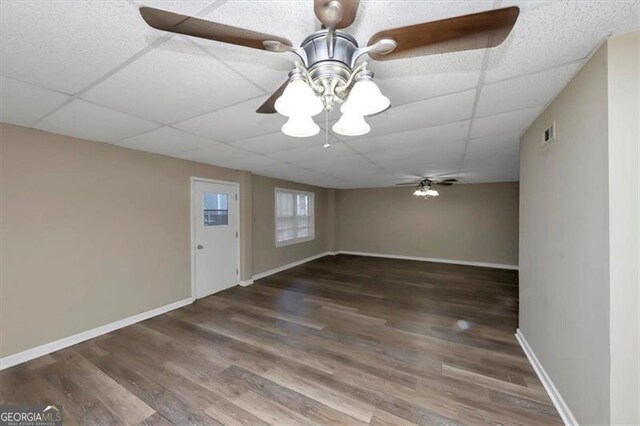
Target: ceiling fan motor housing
<point>316,47</point>
<point>330,69</point>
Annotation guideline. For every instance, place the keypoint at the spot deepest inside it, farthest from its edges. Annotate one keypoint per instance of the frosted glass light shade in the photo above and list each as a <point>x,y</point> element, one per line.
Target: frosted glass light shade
<point>298,99</point>
<point>351,125</point>
<point>432,192</point>
<point>300,127</point>
<point>365,99</point>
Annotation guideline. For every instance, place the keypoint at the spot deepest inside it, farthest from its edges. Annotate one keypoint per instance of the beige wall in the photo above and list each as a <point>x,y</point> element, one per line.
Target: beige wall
<point>266,255</point>
<point>473,222</point>
<point>579,283</point>
<point>564,243</point>
<point>92,233</point>
<point>624,189</point>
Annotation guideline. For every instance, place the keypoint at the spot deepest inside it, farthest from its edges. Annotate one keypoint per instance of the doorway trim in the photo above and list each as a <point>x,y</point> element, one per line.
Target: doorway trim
<point>192,225</point>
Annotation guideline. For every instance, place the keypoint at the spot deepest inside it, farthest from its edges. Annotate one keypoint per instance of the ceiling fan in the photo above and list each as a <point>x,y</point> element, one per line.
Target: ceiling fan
<point>426,187</point>
<point>327,72</point>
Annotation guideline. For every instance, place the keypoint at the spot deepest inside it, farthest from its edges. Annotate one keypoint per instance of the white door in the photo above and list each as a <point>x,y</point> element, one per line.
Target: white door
<point>215,222</point>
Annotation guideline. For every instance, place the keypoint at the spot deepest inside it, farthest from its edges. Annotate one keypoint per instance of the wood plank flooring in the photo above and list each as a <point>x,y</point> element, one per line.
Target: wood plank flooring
<point>340,340</point>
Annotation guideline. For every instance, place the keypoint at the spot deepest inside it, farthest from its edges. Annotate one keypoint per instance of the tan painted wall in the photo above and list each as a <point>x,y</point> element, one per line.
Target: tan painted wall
<point>564,243</point>
<point>92,233</point>
<point>266,255</point>
<point>473,222</point>
<point>624,213</point>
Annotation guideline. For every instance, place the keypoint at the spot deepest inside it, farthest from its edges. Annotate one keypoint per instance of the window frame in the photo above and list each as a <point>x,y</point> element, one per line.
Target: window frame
<point>312,216</point>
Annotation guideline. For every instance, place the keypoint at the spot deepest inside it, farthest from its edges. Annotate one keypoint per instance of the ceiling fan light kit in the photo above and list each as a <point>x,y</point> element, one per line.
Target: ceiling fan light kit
<point>328,73</point>
<point>298,99</point>
<point>332,80</point>
<point>351,125</point>
<point>300,126</point>
<point>426,187</point>
<point>426,191</point>
<point>365,97</point>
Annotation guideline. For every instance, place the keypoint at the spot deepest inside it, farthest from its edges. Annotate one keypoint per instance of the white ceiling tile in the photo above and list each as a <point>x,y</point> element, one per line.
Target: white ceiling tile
<point>427,113</point>
<point>361,172</point>
<point>84,120</point>
<point>165,140</point>
<point>249,162</point>
<point>278,141</point>
<point>258,169</point>
<point>172,82</point>
<point>412,138</point>
<point>505,173</point>
<point>215,153</point>
<point>371,182</point>
<point>413,79</point>
<point>282,167</point>
<point>523,92</point>
<point>513,121</point>
<point>268,70</point>
<point>237,122</point>
<point>327,164</point>
<point>316,180</point>
<point>506,145</point>
<point>492,169</point>
<point>416,169</point>
<point>548,36</point>
<point>293,173</point>
<point>495,163</point>
<point>315,153</point>
<point>325,120</point>
<point>66,45</point>
<point>452,150</point>
<point>23,103</point>
<point>331,183</point>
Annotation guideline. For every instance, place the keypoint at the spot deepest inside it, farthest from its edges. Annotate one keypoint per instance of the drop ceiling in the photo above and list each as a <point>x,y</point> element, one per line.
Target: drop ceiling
<point>94,70</point>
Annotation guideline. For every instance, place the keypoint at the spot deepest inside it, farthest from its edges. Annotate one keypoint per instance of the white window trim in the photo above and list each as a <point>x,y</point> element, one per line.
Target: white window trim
<point>312,218</point>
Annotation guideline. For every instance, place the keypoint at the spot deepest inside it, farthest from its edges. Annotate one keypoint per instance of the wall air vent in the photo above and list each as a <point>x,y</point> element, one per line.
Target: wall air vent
<point>549,135</point>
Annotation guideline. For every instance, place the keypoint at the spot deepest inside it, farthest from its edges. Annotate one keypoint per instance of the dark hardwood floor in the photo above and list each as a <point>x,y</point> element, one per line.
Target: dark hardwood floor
<point>340,340</point>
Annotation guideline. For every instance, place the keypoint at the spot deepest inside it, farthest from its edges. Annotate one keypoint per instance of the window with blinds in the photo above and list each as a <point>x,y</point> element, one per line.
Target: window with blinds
<point>294,216</point>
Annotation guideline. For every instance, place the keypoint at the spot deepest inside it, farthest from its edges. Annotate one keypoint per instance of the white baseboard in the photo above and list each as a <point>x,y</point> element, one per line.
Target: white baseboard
<point>431,259</point>
<point>290,265</point>
<point>47,348</point>
<point>562,407</point>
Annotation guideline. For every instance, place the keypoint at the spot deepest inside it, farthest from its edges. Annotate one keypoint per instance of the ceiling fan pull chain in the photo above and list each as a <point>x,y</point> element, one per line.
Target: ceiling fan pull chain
<point>326,130</point>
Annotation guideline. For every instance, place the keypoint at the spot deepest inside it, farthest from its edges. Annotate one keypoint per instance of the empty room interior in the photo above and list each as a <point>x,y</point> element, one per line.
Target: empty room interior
<point>319,212</point>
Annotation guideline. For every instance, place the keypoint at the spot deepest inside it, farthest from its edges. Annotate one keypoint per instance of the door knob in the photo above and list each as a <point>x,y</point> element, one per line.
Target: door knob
<point>199,246</point>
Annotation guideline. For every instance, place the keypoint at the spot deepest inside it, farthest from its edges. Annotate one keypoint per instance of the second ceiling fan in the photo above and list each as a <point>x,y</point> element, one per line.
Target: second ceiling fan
<point>426,187</point>
<point>327,72</point>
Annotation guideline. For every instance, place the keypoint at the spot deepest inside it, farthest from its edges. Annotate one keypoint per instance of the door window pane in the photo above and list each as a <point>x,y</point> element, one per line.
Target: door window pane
<point>216,209</point>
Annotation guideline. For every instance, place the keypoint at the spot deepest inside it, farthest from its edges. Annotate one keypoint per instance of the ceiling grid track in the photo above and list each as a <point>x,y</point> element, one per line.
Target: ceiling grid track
<point>465,122</point>
<point>483,73</point>
<point>172,124</point>
<point>229,67</point>
<point>144,51</point>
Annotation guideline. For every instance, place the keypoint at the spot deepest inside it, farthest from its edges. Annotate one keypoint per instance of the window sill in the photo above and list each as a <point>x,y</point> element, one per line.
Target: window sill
<point>295,241</point>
